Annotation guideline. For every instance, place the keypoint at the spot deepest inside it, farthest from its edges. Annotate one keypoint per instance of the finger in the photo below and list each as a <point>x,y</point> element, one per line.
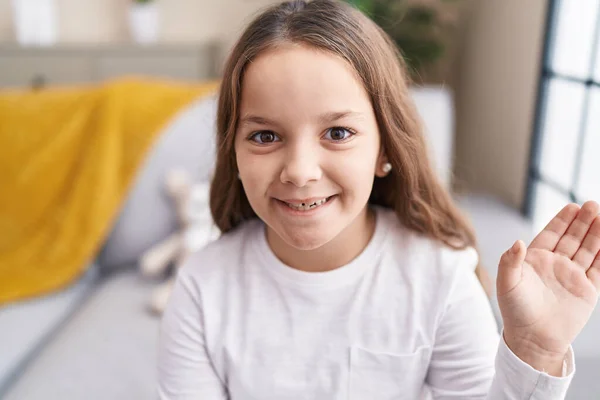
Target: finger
<point>510,268</point>
<point>594,272</point>
<point>549,237</point>
<point>591,245</point>
<point>572,240</point>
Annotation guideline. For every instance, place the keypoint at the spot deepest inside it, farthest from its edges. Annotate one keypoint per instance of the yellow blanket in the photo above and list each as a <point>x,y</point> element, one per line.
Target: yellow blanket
<point>67,159</point>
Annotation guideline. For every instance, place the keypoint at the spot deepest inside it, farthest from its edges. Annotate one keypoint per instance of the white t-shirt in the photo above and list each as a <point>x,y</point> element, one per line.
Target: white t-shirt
<point>405,313</point>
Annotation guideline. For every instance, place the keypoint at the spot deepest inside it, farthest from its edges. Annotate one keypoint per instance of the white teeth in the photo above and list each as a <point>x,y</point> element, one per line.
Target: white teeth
<point>305,207</point>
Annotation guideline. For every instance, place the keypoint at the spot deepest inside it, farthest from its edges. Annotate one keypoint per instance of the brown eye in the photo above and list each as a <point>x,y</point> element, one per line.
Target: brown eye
<point>267,137</point>
<point>338,134</point>
<point>264,137</point>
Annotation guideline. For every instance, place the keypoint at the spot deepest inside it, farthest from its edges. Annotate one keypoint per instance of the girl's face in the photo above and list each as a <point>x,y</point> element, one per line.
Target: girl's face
<point>307,146</point>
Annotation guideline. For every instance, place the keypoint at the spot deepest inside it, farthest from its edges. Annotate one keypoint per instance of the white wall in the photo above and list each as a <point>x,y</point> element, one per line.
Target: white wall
<point>98,21</point>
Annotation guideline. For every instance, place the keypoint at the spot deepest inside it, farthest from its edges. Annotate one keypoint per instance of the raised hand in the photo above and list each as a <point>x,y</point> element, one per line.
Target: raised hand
<point>547,291</point>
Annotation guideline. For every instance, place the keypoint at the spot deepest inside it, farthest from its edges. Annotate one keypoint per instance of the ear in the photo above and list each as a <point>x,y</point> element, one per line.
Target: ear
<point>382,160</point>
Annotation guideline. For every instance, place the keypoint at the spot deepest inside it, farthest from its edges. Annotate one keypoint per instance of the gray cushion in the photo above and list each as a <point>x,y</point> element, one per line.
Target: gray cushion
<point>148,215</point>
<point>26,326</point>
<point>107,350</point>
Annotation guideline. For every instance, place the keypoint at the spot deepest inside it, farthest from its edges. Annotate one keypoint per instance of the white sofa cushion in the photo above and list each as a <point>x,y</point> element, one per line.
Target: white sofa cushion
<point>436,107</point>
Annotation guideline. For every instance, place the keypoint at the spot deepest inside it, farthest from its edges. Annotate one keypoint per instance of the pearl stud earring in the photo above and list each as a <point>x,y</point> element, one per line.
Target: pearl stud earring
<point>387,167</point>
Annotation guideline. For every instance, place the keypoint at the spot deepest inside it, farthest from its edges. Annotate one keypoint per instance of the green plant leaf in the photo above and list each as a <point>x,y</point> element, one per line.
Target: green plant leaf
<point>365,6</point>
<point>417,29</point>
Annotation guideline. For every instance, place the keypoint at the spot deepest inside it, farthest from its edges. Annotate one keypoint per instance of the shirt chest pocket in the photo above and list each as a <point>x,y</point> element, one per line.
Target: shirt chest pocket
<point>384,376</point>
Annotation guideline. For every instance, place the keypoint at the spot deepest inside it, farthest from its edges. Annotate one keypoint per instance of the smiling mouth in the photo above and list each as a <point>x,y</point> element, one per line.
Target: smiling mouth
<point>307,206</point>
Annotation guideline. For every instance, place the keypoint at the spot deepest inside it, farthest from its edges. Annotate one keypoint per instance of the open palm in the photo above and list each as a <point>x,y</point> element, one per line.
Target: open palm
<point>547,291</point>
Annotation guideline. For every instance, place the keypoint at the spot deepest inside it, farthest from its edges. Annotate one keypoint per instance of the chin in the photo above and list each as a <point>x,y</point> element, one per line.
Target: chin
<point>305,240</point>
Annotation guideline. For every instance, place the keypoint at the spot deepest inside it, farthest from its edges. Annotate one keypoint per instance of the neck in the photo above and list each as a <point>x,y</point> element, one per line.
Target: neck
<point>339,251</point>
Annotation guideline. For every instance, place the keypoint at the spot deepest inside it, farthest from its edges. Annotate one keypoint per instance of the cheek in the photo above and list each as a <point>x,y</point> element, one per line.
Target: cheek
<point>258,171</point>
<point>354,170</point>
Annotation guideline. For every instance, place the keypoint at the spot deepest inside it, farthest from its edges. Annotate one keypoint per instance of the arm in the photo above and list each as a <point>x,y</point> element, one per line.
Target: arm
<point>469,359</point>
<point>185,370</point>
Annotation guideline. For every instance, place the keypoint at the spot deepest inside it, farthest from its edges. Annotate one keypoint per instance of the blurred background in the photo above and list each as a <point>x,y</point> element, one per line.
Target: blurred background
<point>107,112</point>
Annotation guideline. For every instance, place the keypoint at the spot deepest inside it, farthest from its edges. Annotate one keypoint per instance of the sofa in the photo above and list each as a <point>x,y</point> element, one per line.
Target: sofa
<point>97,340</point>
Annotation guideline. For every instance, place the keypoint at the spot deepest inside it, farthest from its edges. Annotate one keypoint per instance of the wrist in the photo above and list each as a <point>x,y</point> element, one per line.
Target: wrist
<point>539,358</point>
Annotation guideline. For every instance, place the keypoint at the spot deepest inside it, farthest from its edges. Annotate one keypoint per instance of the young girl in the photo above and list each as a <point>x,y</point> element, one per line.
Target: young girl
<point>344,270</point>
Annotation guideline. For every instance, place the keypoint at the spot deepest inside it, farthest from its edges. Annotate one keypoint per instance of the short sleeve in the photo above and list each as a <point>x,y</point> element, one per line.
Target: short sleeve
<point>185,370</point>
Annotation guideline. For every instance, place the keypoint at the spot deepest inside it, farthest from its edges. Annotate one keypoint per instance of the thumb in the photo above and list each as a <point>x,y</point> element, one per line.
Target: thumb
<point>510,268</point>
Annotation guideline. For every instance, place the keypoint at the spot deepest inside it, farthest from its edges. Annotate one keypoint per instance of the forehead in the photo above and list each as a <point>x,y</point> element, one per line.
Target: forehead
<point>297,80</point>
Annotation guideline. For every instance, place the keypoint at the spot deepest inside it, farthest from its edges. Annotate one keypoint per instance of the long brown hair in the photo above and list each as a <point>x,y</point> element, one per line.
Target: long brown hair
<point>412,189</point>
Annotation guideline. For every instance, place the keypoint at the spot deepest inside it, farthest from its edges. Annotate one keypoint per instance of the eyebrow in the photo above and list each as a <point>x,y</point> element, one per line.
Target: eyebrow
<point>328,117</point>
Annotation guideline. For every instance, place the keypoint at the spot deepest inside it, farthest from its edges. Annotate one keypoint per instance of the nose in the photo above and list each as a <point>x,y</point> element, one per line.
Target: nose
<point>301,165</point>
